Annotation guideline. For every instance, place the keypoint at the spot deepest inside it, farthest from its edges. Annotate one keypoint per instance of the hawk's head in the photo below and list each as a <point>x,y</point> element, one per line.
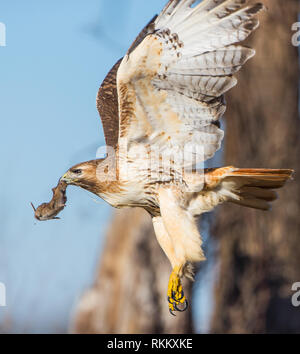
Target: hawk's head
<point>82,175</point>
<point>94,176</point>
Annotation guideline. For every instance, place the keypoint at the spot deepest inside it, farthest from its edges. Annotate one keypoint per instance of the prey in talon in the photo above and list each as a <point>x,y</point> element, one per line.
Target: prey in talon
<point>49,211</point>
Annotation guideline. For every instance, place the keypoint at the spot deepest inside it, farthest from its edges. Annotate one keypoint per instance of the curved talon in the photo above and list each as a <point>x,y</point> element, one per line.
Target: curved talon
<point>186,305</point>
<point>175,296</point>
<point>171,312</point>
<point>182,296</point>
<point>177,299</point>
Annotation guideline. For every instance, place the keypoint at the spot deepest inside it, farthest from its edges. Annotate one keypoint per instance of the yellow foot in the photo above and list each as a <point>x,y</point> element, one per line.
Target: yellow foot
<point>176,298</point>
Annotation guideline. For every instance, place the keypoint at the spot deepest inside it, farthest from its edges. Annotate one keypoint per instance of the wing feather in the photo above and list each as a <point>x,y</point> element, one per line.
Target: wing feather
<point>107,105</point>
<point>172,84</point>
<point>107,98</point>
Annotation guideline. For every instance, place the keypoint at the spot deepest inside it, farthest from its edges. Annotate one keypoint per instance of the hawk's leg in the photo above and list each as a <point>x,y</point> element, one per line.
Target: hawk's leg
<point>176,297</point>
<point>178,235</point>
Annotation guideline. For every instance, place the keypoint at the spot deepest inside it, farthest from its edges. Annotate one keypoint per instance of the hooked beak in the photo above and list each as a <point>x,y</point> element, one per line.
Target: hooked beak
<point>68,178</point>
<point>65,178</point>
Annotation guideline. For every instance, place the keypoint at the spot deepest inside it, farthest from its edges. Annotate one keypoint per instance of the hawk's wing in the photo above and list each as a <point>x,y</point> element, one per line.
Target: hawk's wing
<point>107,98</point>
<point>107,104</point>
<point>171,84</point>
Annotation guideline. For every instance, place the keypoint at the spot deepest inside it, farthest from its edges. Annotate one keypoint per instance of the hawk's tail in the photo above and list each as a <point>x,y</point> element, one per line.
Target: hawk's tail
<point>255,187</point>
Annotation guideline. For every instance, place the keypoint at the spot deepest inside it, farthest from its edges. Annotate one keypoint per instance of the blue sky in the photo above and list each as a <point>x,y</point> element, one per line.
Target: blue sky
<point>57,54</point>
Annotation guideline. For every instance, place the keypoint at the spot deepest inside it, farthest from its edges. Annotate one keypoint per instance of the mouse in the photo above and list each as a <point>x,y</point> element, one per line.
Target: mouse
<point>49,211</point>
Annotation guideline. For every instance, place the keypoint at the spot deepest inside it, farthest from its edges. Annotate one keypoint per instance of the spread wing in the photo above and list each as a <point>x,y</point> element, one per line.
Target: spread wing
<point>171,83</point>
<point>107,98</point>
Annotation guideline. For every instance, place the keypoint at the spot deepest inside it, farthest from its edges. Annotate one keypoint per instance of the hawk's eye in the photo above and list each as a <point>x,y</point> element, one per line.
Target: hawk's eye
<point>77,172</point>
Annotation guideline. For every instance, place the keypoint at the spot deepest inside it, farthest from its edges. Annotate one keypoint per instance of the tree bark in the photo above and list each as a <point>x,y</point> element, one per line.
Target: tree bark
<point>259,252</point>
<point>130,292</point>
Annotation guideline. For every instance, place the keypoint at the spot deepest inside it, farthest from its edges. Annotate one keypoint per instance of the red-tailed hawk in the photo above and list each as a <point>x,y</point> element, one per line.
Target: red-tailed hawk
<point>160,106</point>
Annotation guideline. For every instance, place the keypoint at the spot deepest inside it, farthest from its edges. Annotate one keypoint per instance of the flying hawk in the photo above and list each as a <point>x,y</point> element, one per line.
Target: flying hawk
<point>160,107</point>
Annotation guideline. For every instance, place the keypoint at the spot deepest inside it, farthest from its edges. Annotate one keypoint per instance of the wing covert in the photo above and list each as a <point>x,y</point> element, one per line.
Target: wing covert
<point>107,105</point>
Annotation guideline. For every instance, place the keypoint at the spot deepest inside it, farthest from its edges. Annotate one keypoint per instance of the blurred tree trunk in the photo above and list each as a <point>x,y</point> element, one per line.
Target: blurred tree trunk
<point>259,252</point>
<point>130,292</point>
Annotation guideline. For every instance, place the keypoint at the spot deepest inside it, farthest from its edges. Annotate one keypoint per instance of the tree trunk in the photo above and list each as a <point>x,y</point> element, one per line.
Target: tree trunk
<point>130,293</point>
<point>259,252</point>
